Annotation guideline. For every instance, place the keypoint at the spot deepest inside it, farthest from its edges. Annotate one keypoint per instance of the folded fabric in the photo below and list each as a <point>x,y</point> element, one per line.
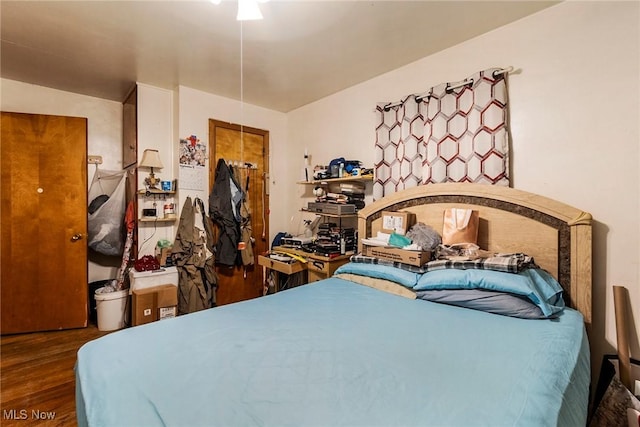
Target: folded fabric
<point>405,278</point>
<point>506,263</point>
<point>494,302</point>
<point>398,240</point>
<point>536,284</point>
<point>381,239</point>
<point>363,259</point>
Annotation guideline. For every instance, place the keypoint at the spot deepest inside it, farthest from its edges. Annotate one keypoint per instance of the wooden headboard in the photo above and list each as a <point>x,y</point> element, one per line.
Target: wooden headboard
<point>556,235</point>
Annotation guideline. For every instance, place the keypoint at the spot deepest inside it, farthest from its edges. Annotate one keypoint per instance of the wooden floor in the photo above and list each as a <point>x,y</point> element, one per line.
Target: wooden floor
<point>37,377</point>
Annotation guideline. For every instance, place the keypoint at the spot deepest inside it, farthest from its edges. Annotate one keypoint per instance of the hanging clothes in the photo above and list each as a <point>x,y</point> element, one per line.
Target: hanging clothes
<point>190,257</point>
<point>130,221</point>
<point>224,209</point>
<point>245,246</point>
<point>209,275</point>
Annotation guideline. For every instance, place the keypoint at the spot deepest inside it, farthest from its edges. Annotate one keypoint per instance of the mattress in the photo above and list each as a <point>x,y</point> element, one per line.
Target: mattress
<point>335,353</point>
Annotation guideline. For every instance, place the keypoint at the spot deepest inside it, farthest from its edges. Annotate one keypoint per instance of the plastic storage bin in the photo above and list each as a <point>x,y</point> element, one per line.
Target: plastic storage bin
<point>149,279</point>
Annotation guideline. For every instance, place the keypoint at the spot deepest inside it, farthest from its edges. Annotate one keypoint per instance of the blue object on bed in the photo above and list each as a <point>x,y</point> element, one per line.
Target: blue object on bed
<point>380,271</point>
<point>490,301</point>
<point>335,353</point>
<point>536,284</point>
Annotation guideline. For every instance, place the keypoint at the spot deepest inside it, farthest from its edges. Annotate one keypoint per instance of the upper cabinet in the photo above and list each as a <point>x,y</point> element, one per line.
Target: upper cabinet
<point>130,129</point>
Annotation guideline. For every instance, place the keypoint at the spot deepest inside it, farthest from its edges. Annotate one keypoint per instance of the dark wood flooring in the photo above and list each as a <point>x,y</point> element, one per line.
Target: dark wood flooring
<point>37,378</point>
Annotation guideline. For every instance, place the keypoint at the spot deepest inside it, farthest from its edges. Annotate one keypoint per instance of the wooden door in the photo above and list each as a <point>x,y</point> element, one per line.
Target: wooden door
<point>234,143</point>
<point>130,157</point>
<point>44,222</point>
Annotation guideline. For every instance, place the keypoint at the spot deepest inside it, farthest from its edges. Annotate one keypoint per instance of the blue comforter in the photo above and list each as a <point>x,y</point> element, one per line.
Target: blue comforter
<point>334,353</point>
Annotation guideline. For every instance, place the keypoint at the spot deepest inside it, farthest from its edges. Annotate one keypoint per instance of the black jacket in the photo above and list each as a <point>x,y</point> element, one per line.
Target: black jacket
<point>223,206</point>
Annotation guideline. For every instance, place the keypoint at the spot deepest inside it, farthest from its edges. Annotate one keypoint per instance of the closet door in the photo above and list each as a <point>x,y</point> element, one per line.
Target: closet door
<point>235,143</point>
<point>44,223</point>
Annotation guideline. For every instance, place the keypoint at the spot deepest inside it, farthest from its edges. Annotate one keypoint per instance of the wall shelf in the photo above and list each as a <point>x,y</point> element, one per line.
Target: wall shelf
<point>157,219</point>
<point>353,215</point>
<point>157,195</point>
<point>151,192</point>
<point>358,178</point>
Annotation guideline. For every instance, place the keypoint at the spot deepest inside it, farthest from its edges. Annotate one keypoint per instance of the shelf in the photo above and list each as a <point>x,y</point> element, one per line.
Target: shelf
<point>157,219</point>
<point>353,215</point>
<point>154,191</point>
<point>158,197</point>
<point>344,179</point>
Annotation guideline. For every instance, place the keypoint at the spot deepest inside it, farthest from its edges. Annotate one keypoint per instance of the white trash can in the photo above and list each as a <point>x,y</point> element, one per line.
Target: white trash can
<point>112,308</point>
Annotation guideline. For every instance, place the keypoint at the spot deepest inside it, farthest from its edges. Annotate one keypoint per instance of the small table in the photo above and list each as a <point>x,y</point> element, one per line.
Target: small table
<point>318,267</point>
<point>280,268</point>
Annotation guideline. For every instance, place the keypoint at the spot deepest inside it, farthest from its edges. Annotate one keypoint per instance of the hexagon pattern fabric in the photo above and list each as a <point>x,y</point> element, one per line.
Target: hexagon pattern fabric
<point>457,133</point>
<point>399,142</point>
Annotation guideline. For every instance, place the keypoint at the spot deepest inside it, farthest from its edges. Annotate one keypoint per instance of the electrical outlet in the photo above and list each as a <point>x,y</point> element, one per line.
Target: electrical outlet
<point>94,160</point>
<point>637,388</point>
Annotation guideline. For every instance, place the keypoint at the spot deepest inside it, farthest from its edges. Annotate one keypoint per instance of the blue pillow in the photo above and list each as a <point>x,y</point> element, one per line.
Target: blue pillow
<point>393,274</point>
<point>536,284</point>
<point>494,302</point>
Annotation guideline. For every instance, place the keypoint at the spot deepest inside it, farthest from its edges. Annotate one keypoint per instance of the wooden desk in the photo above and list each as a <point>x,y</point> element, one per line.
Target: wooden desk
<point>280,268</point>
<point>319,267</point>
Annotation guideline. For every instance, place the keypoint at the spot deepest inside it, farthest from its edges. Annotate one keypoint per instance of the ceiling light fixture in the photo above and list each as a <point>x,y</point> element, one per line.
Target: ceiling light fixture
<point>248,10</point>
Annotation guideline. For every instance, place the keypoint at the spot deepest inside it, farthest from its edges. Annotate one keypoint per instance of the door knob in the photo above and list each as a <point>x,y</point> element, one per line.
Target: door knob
<point>76,237</point>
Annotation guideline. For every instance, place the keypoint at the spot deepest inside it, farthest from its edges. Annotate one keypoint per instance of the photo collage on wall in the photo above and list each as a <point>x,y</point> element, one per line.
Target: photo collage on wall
<point>193,172</point>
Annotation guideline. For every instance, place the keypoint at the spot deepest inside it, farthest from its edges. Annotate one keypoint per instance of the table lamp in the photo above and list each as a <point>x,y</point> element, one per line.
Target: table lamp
<point>151,159</point>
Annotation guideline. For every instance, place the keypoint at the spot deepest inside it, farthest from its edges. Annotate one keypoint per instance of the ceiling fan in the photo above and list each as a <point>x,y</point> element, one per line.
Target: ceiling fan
<point>248,10</point>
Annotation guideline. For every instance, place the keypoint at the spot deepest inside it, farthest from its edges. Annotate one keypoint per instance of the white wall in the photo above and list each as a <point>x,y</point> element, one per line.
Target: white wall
<point>104,134</point>
<point>155,131</point>
<point>574,120</point>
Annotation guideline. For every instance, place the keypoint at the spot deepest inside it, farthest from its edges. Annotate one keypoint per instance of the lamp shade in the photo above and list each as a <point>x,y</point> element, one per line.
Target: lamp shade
<point>151,159</point>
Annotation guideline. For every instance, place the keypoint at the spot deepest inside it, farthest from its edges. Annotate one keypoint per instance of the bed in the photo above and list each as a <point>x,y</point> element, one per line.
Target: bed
<point>343,352</point>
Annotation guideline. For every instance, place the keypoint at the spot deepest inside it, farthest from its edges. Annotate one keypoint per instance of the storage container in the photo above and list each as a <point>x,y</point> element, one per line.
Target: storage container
<point>149,279</point>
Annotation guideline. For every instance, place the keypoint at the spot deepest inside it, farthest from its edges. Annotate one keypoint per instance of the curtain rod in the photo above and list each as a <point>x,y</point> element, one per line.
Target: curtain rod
<point>420,96</point>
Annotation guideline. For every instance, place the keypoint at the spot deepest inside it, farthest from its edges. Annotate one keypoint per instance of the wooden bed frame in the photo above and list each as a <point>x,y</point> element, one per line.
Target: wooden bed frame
<point>556,235</point>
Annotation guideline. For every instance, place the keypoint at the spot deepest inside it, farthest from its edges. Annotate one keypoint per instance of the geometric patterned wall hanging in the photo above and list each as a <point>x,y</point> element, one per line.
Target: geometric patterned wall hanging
<point>399,136</point>
<point>453,133</point>
<point>466,137</point>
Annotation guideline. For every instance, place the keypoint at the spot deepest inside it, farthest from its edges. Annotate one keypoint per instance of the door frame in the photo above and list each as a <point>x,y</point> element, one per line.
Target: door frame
<point>257,216</point>
<point>66,297</point>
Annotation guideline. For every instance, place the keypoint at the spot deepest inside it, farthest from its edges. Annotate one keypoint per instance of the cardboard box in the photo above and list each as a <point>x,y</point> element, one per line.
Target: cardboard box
<point>163,255</point>
<point>397,222</point>
<point>417,258</point>
<point>155,303</point>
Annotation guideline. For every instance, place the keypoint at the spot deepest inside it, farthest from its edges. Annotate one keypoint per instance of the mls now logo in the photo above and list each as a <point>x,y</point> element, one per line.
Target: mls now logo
<point>15,414</point>
<point>23,414</point>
